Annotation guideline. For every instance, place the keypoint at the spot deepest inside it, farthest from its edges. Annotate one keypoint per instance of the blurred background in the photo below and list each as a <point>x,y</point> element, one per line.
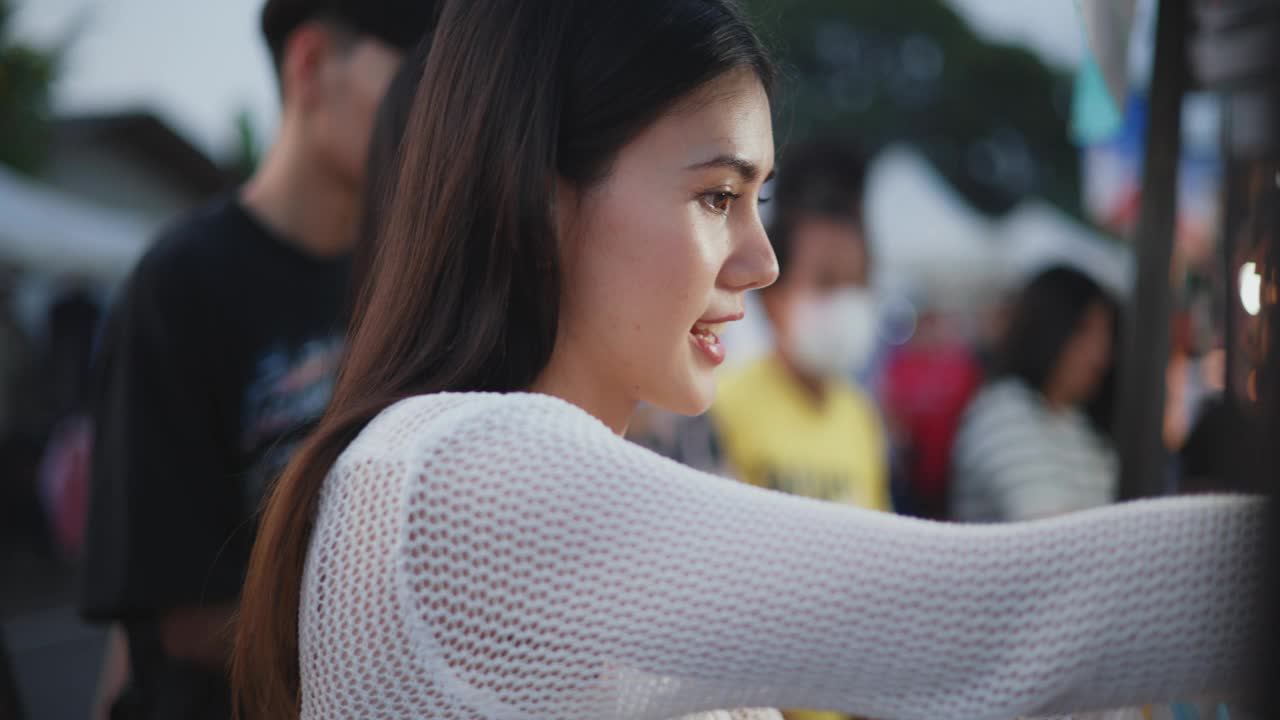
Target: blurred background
<point>1001,139</point>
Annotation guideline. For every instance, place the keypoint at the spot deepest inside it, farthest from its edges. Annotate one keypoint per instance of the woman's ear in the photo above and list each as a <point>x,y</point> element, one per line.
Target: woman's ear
<point>565,204</point>
<point>567,209</point>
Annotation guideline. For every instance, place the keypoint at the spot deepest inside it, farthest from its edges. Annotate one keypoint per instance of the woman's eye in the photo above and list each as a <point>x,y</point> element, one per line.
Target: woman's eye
<point>719,202</point>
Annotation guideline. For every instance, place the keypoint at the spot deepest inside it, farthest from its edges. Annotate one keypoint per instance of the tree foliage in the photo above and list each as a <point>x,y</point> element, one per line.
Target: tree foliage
<point>991,117</point>
<point>26,113</point>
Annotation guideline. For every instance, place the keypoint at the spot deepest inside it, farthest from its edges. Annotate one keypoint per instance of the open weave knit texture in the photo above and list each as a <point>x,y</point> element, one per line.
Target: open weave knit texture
<point>507,556</point>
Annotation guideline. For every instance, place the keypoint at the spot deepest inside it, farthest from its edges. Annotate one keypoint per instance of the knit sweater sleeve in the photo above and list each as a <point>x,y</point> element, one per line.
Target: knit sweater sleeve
<point>539,566</point>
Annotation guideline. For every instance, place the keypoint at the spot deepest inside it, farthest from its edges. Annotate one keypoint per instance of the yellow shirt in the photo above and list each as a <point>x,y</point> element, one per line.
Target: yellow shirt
<point>775,435</point>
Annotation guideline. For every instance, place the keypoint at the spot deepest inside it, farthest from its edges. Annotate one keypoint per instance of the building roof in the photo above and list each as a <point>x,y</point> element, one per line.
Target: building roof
<point>148,140</point>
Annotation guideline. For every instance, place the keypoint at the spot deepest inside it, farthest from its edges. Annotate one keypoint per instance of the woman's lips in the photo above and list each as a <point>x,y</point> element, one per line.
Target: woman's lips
<point>707,341</point>
<point>722,320</point>
<point>706,336</point>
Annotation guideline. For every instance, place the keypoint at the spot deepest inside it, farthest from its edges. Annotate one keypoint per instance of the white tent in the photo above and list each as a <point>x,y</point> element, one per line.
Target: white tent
<point>1038,235</point>
<point>928,241</point>
<point>925,237</point>
<point>45,231</point>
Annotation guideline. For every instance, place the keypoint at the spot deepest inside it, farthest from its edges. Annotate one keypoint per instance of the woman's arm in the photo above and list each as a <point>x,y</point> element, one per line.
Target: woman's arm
<point>559,571</point>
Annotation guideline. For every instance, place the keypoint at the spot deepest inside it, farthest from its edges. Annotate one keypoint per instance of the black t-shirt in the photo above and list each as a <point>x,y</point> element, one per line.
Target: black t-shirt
<point>219,354</point>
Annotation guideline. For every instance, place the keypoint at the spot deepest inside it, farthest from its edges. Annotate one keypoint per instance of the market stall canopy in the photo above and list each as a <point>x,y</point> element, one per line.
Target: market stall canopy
<point>48,231</point>
<point>924,236</point>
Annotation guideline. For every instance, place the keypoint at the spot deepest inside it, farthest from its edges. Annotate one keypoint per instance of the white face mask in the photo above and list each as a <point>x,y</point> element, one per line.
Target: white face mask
<point>833,333</point>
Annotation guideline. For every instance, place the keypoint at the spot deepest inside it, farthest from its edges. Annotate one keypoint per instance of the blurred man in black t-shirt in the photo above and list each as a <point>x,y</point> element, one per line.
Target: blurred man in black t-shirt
<point>221,352</point>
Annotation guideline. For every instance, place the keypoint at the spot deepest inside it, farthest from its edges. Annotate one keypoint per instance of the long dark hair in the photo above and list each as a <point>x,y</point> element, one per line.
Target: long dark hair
<point>1046,314</point>
<point>465,284</point>
<point>383,164</point>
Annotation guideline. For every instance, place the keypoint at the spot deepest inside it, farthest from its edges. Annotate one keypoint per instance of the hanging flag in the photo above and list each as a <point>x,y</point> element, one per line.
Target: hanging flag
<point>1102,83</point>
<point>1108,28</point>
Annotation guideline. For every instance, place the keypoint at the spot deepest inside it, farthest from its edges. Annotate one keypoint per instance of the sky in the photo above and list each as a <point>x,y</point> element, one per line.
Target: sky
<point>197,63</point>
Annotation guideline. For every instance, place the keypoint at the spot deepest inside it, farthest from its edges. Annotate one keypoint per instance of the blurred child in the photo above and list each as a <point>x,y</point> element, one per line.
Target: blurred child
<point>792,420</point>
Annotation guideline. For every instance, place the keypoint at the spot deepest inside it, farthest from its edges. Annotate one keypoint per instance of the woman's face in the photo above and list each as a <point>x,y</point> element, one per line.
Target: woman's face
<point>1086,358</point>
<point>658,256</point>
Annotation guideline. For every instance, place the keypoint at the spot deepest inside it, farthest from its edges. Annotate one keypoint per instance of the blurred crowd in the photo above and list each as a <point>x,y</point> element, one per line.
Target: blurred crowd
<point>980,414</point>
<point>990,414</point>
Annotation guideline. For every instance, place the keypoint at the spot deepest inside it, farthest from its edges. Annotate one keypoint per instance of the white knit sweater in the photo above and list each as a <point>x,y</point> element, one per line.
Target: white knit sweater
<point>507,556</point>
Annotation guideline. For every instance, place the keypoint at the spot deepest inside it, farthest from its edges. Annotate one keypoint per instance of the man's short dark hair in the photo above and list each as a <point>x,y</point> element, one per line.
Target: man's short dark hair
<point>817,179</point>
<point>399,23</point>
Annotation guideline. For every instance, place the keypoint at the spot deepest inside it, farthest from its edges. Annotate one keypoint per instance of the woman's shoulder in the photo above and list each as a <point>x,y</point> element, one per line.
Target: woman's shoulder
<point>1002,396</point>
<point>1007,388</point>
<point>429,420</point>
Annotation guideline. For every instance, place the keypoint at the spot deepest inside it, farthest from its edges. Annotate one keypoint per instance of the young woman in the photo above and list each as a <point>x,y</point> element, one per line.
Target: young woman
<point>467,536</point>
<point>1027,447</point>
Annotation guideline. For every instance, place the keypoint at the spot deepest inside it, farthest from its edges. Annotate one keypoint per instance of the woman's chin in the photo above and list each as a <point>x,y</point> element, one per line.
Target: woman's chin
<point>694,398</point>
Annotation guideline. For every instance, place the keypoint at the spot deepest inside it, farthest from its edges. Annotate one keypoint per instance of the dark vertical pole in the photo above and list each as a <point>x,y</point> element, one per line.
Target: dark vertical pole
<point>1142,392</point>
<point>1231,222</point>
<point>10,707</point>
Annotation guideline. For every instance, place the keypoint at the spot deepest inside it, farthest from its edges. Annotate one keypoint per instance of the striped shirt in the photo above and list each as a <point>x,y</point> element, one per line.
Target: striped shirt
<point>1015,458</point>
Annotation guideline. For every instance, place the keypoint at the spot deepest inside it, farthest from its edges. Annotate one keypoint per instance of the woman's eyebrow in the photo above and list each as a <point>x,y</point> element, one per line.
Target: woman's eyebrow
<point>746,169</point>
